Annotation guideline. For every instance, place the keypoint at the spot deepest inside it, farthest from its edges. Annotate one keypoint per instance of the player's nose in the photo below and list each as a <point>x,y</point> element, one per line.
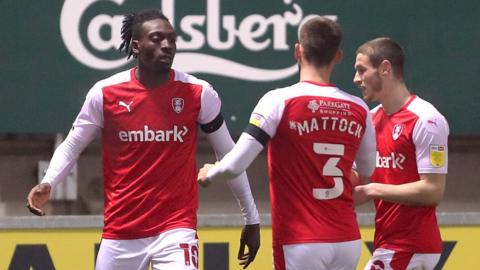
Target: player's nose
<point>356,79</point>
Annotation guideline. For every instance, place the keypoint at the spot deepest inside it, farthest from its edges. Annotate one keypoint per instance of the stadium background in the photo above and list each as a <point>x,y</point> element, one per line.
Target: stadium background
<point>53,52</point>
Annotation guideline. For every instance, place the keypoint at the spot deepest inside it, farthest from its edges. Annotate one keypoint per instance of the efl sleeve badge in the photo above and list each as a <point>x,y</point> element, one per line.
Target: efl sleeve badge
<point>257,120</point>
<point>437,155</point>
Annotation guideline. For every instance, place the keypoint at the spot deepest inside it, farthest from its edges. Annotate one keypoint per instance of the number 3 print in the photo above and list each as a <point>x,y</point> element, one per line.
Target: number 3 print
<point>330,169</point>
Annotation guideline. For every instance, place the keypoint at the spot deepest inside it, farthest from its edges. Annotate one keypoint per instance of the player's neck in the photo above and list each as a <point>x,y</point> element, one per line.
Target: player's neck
<point>151,79</point>
<point>318,75</point>
<point>396,96</point>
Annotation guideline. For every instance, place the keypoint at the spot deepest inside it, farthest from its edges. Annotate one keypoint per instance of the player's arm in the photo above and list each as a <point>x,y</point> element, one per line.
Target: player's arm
<point>262,126</point>
<point>63,160</point>
<point>365,160</point>
<point>85,128</point>
<point>428,190</point>
<point>366,155</point>
<point>237,160</point>
<point>222,143</point>
<point>219,138</point>
<point>430,137</point>
<point>213,125</point>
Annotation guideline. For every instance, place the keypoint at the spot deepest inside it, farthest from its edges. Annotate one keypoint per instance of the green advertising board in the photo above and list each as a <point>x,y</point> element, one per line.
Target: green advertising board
<point>54,51</point>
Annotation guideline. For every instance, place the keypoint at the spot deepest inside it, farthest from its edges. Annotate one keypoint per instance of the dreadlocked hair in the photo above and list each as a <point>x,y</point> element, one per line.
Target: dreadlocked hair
<point>131,25</point>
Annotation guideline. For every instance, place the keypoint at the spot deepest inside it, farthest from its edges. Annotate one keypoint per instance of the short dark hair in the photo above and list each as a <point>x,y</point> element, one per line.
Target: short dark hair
<point>320,38</point>
<point>132,23</point>
<point>384,48</point>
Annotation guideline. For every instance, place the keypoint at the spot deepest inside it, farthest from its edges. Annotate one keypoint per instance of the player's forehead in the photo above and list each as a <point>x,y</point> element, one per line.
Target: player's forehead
<point>362,60</point>
<point>157,25</point>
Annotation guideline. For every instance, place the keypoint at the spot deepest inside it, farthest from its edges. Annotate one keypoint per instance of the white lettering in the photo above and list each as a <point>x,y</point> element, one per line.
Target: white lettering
<point>149,135</point>
<point>93,32</point>
<point>334,122</point>
<point>135,136</point>
<point>324,120</point>
<point>314,125</point>
<point>197,39</point>
<point>302,128</point>
<point>343,125</point>
<point>393,161</point>
<point>254,32</point>
<point>70,17</point>
<point>123,135</point>
<point>247,34</point>
<point>213,27</point>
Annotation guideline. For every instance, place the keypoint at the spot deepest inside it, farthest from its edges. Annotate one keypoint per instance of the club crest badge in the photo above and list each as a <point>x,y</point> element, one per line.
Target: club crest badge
<point>397,130</point>
<point>177,104</point>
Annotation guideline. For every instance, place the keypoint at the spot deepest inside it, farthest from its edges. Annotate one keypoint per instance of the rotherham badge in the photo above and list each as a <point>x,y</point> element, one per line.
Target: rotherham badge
<point>397,130</point>
<point>177,104</point>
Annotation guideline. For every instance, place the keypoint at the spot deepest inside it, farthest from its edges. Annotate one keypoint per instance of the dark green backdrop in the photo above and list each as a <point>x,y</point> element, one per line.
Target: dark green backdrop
<point>43,85</point>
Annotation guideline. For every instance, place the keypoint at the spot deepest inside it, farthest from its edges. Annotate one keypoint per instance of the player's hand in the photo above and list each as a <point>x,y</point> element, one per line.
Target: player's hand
<point>38,197</point>
<point>250,238</point>
<point>202,175</point>
<point>361,194</point>
<point>354,178</point>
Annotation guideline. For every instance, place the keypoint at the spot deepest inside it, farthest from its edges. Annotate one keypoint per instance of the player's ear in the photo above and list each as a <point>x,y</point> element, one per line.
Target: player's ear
<point>298,52</point>
<point>338,57</point>
<point>135,48</point>
<point>385,68</point>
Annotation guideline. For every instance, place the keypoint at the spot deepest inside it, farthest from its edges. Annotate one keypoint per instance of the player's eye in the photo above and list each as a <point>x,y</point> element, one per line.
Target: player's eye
<point>172,38</point>
<point>156,37</point>
<point>360,70</point>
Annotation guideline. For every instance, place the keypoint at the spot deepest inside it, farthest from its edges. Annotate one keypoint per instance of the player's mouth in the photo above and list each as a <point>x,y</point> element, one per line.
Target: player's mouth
<point>363,89</point>
<point>166,58</point>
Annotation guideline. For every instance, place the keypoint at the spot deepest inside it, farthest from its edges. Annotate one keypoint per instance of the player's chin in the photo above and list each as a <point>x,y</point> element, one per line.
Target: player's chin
<point>367,96</point>
<point>163,67</point>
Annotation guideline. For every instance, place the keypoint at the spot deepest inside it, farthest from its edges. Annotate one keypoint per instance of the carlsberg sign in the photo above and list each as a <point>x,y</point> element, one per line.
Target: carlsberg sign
<point>213,31</point>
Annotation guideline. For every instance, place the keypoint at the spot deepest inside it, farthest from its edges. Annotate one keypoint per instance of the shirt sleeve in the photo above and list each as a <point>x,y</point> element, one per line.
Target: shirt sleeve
<point>267,114</point>
<point>237,160</point>
<point>92,110</point>
<point>85,128</point>
<point>365,159</point>
<point>222,143</point>
<point>210,105</point>
<point>67,153</point>
<point>430,136</point>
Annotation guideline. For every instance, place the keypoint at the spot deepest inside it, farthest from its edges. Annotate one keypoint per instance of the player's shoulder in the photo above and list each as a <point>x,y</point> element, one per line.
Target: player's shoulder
<point>278,92</point>
<point>423,109</point>
<point>118,78</point>
<point>428,116</point>
<point>352,98</point>
<point>184,77</point>
<point>275,97</point>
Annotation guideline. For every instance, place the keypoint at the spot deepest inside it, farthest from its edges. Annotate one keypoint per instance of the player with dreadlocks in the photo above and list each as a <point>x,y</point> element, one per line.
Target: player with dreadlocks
<point>148,118</point>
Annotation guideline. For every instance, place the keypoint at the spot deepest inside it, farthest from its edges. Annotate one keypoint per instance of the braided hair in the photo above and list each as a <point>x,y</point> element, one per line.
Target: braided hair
<point>131,25</point>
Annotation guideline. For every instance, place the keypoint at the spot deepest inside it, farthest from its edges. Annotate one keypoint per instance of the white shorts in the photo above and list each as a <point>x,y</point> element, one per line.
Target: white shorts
<point>172,250</point>
<point>318,256</point>
<point>386,259</point>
